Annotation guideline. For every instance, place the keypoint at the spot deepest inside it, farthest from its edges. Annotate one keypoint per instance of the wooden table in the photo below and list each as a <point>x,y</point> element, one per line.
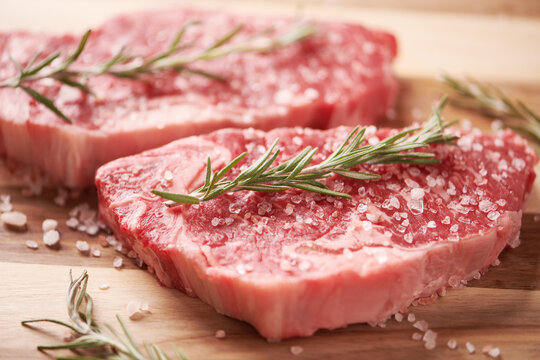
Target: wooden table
<point>502,308</point>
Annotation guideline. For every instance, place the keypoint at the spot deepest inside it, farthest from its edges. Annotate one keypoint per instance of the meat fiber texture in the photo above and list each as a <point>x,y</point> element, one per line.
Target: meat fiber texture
<point>293,262</point>
<point>340,76</point>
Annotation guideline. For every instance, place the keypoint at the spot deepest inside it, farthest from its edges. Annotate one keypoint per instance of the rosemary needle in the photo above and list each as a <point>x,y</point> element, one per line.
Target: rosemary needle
<point>92,338</point>
<point>492,102</point>
<point>125,65</point>
<point>297,172</point>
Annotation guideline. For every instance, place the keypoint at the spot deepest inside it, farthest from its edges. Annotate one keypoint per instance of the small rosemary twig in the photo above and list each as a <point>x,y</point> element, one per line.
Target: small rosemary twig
<point>492,102</point>
<point>108,344</point>
<point>264,175</point>
<point>125,65</point>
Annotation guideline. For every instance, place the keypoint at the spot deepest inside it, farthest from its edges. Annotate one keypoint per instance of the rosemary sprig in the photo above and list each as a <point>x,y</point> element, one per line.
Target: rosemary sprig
<point>124,65</point>
<point>492,102</point>
<point>109,344</point>
<point>264,175</point>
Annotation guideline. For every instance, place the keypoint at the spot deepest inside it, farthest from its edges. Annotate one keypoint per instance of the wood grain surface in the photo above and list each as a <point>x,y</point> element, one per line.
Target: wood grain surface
<point>501,309</point>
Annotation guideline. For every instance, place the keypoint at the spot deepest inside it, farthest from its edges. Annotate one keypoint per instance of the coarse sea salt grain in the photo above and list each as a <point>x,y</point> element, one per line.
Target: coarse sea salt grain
<point>430,336</point>
<point>14,220</point>
<point>103,286</point>
<point>72,223</point>
<point>220,334</point>
<point>83,247</point>
<point>394,202</point>
<point>51,238</point>
<point>411,318</point>
<point>416,206</point>
<point>289,209</point>
<point>398,317</point>
<point>470,347</point>
<point>134,310</point>
<point>518,164</point>
<point>486,206</point>
<point>92,230</point>
<point>31,244</point>
<point>416,336</point>
<point>501,202</point>
<point>118,262</point>
<point>96,252</point>
<point>296,350</point>
<point>417,193</point>
<point>411,183</point>
<point>49,224</point>
<point>168,176</point>
<point>452,344</point>
<point>494,353</point>
<point>493,215</point>
<point>421,325</point>
<point>362,208</point>
<point>111,240</point>
<point>235,208</point>
<point>408,238</point>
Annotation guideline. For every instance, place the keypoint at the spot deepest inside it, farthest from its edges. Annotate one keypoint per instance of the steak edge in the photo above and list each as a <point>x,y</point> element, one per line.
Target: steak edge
<point>341,76</point>
<point>293,262</point>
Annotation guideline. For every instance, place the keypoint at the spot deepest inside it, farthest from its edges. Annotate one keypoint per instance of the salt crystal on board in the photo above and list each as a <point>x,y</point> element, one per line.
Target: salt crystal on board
<point>83,247</point>
<point>421,325</point>
<point>31,244</point>
<point>49,224</point>
<point>14,220</point>
<point>118,262</point>
<point>452,344</point>
<point>51,238</point>
<point>296,350</point>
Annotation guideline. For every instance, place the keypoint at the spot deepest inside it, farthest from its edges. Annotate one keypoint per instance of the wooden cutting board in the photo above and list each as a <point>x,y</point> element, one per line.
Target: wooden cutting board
<point>501,309</point>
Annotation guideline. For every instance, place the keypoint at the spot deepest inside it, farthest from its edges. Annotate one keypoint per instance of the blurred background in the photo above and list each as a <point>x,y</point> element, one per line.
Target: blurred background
<point>496,40</point>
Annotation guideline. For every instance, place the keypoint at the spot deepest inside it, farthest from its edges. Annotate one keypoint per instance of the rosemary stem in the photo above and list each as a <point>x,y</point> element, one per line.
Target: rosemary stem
<point>492,102</point>
<point>112,344</point>
<point>123,65</point>
<point>297,172</point>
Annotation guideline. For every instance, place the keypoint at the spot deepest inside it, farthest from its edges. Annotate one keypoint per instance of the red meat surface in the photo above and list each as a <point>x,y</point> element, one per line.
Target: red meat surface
<point>293,262</point>
<point>340,76</point>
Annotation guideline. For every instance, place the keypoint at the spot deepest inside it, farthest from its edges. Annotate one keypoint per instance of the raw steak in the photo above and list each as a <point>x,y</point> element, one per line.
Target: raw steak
<point>293,262</point>
<point>341,76</point>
